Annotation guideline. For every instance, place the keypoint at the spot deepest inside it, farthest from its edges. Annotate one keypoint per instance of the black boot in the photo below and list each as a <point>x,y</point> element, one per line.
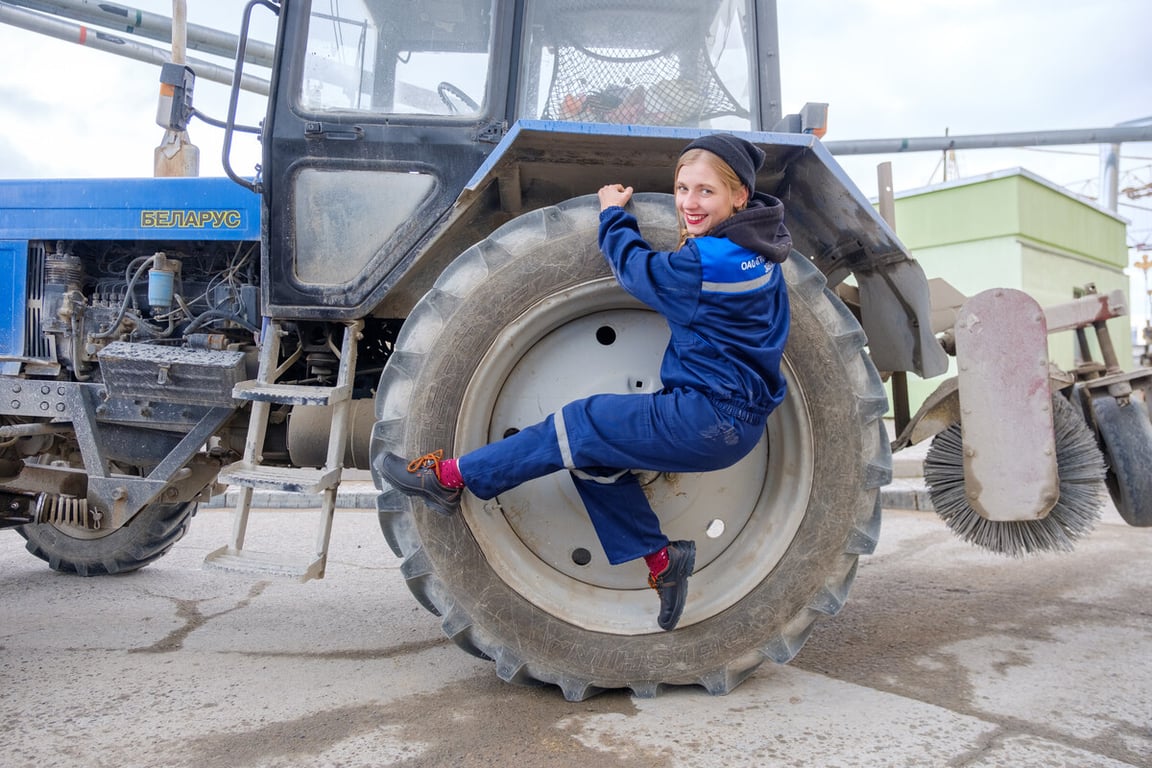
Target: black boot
<point>421,478</point>
<point>672,583</point>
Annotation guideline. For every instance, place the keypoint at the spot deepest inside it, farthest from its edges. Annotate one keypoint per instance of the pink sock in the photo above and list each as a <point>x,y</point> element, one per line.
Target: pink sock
<point>450,476</point>
<point>657,561</point>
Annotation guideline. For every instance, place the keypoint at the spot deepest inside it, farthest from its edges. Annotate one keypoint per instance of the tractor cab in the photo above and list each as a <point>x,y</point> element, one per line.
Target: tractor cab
<point>383,110</point>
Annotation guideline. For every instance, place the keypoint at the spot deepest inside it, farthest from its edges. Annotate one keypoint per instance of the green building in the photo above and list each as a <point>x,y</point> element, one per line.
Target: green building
<point>1013,229</point>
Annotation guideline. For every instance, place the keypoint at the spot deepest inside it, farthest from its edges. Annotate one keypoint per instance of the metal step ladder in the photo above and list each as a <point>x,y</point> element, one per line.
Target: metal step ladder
<point>250,474</point>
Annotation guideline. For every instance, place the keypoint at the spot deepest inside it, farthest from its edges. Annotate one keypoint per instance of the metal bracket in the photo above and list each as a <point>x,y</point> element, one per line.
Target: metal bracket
<point>122,496</point>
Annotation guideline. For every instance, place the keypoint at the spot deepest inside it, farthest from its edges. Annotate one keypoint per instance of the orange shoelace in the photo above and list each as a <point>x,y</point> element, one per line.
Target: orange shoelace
<point>429,460</point>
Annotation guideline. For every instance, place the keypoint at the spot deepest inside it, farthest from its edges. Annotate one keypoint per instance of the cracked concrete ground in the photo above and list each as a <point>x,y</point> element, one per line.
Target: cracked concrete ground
<point>943,656</point>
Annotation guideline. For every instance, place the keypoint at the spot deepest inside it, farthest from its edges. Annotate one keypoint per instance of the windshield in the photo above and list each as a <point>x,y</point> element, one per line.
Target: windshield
<point>427,57</point>
<point>652,62</point>
<point>655,62</point>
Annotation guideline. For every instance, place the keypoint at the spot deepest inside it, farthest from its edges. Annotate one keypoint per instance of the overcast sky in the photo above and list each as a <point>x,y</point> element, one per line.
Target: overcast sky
<point>888,68</point>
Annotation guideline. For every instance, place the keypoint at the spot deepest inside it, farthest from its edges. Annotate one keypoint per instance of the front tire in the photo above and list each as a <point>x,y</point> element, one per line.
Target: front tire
<point>530,318</point>
<point>145,539</point>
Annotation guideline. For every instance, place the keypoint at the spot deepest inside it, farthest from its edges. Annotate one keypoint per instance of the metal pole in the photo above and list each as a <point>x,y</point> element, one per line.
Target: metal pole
<point>102,41</point>
<point>1110,168</point>
<point>1113,135</point>
<point>1109,176</point>
<point>887,194</point>
<point>150,25</point>
<point>177,156</point>
<point>179,31</point>
<point>901,407</point>
<point>769,35</point>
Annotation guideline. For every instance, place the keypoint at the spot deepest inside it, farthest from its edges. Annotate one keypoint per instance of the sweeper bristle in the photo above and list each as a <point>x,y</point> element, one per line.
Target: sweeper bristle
<point>1080,470</point>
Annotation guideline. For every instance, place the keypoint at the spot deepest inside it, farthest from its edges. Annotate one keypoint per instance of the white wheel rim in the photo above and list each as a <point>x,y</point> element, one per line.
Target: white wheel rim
<point>743,518</point>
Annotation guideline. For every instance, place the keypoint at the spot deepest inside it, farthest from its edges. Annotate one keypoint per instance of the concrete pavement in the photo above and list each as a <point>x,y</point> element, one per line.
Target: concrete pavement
<point>943,656</point>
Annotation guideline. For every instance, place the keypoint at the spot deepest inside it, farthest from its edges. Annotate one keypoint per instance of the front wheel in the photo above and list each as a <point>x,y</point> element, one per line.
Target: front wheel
<point>531,318</point>
<point>145,539</point>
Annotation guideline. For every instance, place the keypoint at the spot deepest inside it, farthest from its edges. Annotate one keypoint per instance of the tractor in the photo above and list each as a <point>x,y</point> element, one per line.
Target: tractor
<point>414,265</point>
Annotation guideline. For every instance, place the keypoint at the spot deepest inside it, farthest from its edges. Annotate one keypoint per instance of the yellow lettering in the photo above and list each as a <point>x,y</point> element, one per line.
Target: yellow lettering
<point>229,219</point>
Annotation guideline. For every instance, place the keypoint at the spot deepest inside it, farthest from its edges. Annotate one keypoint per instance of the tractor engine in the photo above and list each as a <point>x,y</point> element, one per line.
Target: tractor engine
<point>83,296</point>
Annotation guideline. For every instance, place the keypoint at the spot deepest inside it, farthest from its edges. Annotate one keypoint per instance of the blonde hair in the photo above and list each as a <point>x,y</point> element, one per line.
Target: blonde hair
<point>727,175</point>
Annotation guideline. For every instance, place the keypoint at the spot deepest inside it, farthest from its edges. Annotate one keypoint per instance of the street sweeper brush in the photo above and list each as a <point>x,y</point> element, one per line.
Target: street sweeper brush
<point>1081,471</point>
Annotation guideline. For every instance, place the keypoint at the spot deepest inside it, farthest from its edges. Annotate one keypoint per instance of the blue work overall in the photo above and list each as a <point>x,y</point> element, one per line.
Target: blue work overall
<point>727,309</point>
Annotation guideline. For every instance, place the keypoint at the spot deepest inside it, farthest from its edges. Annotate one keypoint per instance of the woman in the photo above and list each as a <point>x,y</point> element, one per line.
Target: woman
<point>726,303</point>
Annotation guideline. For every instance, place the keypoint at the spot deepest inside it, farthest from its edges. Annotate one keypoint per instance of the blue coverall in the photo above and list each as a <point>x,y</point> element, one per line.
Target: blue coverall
<point>727,308</point>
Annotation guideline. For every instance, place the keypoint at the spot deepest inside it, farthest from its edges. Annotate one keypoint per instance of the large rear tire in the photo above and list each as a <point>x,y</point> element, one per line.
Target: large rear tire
<point>531,318</point>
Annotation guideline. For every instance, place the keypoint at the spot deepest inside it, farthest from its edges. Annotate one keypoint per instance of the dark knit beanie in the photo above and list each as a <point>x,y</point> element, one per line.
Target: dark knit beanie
<point>743,157</point>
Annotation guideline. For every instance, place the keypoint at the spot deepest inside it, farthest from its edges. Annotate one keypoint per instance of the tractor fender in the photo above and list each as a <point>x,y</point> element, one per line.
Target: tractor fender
<point>542,163</point>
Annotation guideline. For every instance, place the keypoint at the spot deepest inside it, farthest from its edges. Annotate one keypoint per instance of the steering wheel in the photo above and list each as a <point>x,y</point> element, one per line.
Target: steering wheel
<point>446,90</point>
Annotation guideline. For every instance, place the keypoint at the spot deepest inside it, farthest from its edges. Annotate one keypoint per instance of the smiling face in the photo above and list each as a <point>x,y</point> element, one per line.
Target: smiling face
<point>704,197</point>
